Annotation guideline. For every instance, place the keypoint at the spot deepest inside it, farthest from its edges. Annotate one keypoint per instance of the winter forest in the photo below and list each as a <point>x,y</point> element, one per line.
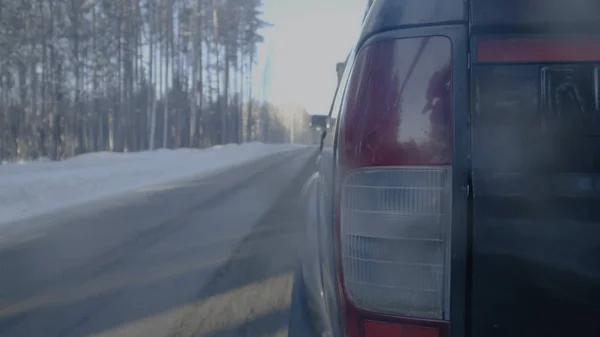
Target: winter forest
<point>79,76</point>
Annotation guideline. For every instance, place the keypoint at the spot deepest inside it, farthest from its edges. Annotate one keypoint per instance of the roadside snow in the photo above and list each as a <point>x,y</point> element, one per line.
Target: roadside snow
<point>35,188</point>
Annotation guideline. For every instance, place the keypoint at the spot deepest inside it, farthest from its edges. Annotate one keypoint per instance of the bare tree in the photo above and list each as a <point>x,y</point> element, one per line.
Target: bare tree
<point>90,75</point>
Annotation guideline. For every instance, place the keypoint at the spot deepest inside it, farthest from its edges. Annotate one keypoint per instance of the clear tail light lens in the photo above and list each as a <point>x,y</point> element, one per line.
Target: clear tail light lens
<point>395,230</point>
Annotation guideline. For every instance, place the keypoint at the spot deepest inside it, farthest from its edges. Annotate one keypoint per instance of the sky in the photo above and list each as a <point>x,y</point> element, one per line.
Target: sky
<point>296,63</point>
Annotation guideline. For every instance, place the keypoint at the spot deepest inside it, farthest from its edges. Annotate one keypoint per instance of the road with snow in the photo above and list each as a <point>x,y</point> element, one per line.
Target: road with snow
<point>208,256</point>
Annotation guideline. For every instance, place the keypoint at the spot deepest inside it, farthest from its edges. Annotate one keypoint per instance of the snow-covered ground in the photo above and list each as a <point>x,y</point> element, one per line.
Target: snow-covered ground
<point>36,188</point>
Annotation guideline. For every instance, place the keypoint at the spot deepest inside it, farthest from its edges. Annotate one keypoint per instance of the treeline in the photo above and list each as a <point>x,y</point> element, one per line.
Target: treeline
<point>79,76</point>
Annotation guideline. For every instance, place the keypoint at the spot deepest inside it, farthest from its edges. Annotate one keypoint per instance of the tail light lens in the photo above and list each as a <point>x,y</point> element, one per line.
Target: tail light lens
<point>394,227</point>
<point>395,182</point>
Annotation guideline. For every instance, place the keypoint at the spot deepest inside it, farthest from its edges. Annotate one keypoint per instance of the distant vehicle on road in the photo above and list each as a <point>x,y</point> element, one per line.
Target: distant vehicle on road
<point>460,194</point>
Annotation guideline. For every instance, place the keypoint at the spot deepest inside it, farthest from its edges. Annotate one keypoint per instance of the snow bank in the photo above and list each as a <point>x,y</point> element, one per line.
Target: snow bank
<point>35,188</point>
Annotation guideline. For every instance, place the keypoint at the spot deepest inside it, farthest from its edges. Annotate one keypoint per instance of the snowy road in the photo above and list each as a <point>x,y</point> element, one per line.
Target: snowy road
<point>211,257</point>
<point>37,188</point>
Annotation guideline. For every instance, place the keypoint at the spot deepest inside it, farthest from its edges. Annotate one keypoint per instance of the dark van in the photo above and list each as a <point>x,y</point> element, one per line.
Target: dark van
<point>461,196</point>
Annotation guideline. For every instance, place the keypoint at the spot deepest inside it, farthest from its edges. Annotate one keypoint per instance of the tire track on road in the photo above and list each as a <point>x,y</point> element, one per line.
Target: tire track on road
<point>88,271</point>
<point>250,295</point>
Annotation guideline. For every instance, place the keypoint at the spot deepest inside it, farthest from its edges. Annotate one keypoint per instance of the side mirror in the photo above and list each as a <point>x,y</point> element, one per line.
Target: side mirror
<point>319,122</point>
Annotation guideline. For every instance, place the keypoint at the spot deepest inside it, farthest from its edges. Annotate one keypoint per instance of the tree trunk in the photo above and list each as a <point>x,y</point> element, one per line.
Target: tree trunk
<point>152,88</point>
<point>226,112</point>
<point>250,121</point>
<point>194,96</point>
<point>77,113</point>
<point>166,96</point>
<point>198,63</point>
<point>212,132</point>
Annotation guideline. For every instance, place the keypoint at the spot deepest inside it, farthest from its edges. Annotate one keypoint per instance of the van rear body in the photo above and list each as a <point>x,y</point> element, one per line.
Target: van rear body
<point>462,194</point>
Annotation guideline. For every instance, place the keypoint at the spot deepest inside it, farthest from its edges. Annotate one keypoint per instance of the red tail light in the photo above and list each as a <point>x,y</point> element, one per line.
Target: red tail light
<point>377,329</point>
<point>538,50</point>
<point>394,200</point>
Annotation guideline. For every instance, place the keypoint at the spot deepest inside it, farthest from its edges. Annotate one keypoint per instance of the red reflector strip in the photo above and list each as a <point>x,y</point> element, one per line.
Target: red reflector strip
<point>538,50</point>
<point>379,329</point>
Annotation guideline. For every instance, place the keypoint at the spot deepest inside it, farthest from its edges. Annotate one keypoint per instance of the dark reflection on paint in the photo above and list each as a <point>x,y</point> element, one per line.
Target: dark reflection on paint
<point>536,177</point>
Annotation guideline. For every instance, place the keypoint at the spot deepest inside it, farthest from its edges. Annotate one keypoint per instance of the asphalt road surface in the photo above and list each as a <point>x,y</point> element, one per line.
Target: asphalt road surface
<point>208,257</point>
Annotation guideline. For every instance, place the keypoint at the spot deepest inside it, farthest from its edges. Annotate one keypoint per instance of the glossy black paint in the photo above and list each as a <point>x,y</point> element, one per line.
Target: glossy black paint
<point>535,12</point>
<point>388,15</point>
<point>536,220</point>
<point>459,275</point>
